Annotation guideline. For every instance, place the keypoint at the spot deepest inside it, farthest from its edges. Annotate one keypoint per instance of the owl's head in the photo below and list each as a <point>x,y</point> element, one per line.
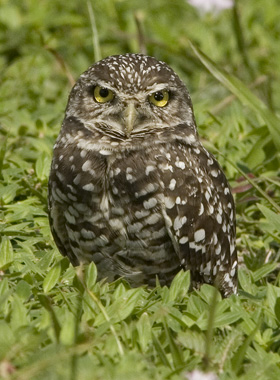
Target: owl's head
<point>129,96</point>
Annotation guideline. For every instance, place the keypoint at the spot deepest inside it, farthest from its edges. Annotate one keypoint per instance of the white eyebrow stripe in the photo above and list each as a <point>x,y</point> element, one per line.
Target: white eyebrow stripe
<point>156,87</point>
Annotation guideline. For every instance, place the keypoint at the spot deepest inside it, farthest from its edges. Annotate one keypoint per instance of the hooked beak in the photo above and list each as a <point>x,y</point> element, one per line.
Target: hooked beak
<point>130,115</point>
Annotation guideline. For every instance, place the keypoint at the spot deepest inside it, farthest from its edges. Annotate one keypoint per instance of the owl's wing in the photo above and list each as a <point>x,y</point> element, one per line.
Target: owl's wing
<point>200,217</point>
<point>59,230</point>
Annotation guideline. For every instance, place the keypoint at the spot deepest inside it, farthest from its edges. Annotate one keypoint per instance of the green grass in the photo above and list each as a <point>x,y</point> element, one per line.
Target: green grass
<point>57,322</point>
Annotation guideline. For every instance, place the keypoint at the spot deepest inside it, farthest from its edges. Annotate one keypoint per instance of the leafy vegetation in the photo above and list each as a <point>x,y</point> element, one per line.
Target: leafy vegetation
<point>57,322</point>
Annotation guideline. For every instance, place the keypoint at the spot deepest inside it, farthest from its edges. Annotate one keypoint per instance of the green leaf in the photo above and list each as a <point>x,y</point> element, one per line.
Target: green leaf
<point>144,330</point>
<point>6,338</point>
<point>226,319</point>
<point>68,329</point>
<point>46,303</point>
<point>7,253</point>
<point>52,277</point>
<point>42,167</point>
<point>271,216</point>
<point>160,351</point>
<point>179,286</point>
<point>121,308</point>
<point>272,295</point>
<point>264,270</point>
<point>23,290</point>
<point>175,350</point>
<point>8,192</point>
<point>241,91</point>
<point>193,340</point>
<point>19,313</point>
<point>277,308</point>
<point>90,275</point>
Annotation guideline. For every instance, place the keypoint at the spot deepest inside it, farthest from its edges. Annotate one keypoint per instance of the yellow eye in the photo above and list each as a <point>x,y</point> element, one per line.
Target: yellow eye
<point>102,94</point>
<point>159,98</point>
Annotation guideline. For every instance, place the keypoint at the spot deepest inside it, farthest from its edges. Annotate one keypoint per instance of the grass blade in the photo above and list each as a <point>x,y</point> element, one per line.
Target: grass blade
<point>242,92</point>
<point>95,36</point>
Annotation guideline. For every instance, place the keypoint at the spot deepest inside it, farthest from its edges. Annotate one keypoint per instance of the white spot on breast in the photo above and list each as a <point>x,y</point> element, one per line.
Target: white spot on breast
<point>226,190</point>
<point>211,209</point>
<point>219,219</point>
<point>150,187</point>
<point>72,189</point>
<point>190,139</point>
<point>82,207</point>
<point>179,222</point>
<point>199,235</point>
<point>172,184</point>
<point>218,249</point>
<point>178,200</point>
<point>201,210</point>
<point>70,218</point>
<point>136,227</point>
<point>73,211</point>
<point>101,241</point>
<point>142,214</point>
<point>153,219</point>
<point>87,167</point>
<point>77,179</point>
<point>60,176</point>
<point>60,195</point>
<point>183,240</point>
<point>86,234</point>
<point>129,177</point>
<point>116,224</point>
<point>215,238</point>
<point>145,234</point>
<point>159,234</point>
<point>72,197</point>
<point>180,164</point>
<point>149,169</point>
<point>105,152</point>
<point>166,167</point>
<point>214,173</point>
<point>104,206</point>
<point>150,203</point>
<point>88,187</point>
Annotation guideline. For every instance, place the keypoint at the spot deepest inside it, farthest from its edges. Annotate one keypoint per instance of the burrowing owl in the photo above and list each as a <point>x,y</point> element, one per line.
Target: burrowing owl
<point>132,188</point>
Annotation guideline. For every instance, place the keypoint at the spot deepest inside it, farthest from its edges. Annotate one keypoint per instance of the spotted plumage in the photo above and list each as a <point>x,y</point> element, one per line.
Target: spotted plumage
<point>132,188</point>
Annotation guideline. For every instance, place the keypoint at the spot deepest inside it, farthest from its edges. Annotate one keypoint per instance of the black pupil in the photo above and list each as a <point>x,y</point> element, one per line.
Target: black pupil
<point>158,96</point>
<point>104,92</point>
